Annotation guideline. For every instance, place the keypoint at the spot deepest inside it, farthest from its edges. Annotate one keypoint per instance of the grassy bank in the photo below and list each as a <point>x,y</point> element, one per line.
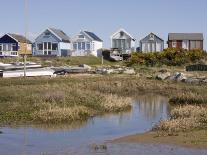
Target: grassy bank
<point>76,98</point>
<point>63,61</point>
<point>187,125</point>
<point>58,100</point>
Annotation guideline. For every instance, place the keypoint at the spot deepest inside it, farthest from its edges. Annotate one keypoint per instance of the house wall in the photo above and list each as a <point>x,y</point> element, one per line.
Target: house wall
<point>151,43</point>
<point>47,38</point>
<point>186,44</point>
<point>178,44</point>
<point>116,39</point>
<point>21,48</point>
<point>97,48</point>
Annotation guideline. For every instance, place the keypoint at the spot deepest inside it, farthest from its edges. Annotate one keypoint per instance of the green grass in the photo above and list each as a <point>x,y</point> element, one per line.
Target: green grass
<point>61,61</point>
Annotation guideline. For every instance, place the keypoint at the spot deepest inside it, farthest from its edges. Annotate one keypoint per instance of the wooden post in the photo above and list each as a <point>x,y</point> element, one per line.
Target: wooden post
<point>26,26</point>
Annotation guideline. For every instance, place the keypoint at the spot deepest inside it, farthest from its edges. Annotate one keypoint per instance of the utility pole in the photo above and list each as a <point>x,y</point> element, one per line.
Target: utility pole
<point>26,29</point>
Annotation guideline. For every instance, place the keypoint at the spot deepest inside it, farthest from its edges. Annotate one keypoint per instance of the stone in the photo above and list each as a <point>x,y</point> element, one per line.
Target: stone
<point>178,77</point>
<point>163,76</point>
<point>130,71</point>
<point>193,80</point>
<point>205,81</point>
<point>85,66</point>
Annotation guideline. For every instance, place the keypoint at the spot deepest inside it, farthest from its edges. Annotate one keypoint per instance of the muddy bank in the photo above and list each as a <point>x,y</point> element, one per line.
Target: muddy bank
<point>192,139</point>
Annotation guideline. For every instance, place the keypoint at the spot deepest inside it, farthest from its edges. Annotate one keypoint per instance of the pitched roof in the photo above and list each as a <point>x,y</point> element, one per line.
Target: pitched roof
<point>60,34</point>
<point>185,36</point>
<point>93,36</point>
<point>122,30</point>
<point>151,34</point>
<point>19,38</point>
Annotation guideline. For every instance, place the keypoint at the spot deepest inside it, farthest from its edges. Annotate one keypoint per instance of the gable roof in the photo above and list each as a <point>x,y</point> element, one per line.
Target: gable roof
<point>122,30</point>
<point>19,38</point>
<point>93,36</point>
<point>60,34</point>
<point>185,36</point>
<point>151,34</point>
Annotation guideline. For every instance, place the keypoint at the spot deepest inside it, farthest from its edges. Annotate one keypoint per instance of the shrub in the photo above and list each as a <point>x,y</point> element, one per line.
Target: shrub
<point>170,57</point>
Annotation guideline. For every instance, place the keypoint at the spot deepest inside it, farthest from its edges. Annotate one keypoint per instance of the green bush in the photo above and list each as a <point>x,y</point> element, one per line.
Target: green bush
<point>169,57</point>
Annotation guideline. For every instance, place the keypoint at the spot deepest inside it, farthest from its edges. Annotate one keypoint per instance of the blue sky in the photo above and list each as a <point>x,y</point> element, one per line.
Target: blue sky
<point>138,17</point>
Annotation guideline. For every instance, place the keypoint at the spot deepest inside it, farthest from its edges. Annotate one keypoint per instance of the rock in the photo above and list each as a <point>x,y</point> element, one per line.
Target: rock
<point>163,71</point>
<point>85,66</point>
<point>101,71</point>
<point>205,81</point>
<point>130,71</point>
<point>163,76</point>
<point>193,80</point>
<point>96,147</point>
<point>178,77</point>
<point>110,71</point>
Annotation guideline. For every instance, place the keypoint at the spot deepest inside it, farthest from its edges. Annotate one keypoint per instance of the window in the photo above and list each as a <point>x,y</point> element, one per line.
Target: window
<point>4,47</point>
<point>1,47</point>
<point>152,37</point>
<point>47,33</point>
<point>13,53</point>
<point>198,45</point>
<point>54,46</point>
<point>1,53</point>
<point>88,46</point>
<point>45,52</point>
<point>75,46</point>
<point>174,44</point>
<point>9,47</point>
<point>45,45</point>
<point>49,52</point>
<point>49,46</point>
<point>81,36</point>
<point>40,47</point>
<point>79,46</point>
<point>121,33</point>
<point>93,47</point>
<point>83,46</point>
<point>14,47</point>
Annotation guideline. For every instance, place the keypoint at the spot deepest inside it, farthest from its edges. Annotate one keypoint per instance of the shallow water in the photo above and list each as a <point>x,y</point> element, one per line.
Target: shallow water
<point>79,137</point>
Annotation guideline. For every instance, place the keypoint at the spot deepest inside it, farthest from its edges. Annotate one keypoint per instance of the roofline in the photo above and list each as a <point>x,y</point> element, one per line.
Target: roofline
<point>11,37</point>
<point>187,33</point>
<point>87,34</point>
<point>121,29</point>
<point>153,34</point>
<point>50,31</point>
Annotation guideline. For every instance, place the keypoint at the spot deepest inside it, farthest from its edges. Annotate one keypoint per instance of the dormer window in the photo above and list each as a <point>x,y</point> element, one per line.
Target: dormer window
<point>152,37</point>
<point>81,37</point>
<point>47,33</point>
<point>121,33</point>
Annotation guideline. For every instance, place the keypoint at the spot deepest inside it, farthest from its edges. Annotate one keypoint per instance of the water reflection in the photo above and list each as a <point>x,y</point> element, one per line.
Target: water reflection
<point>35,139</point>
<point>152,106</point>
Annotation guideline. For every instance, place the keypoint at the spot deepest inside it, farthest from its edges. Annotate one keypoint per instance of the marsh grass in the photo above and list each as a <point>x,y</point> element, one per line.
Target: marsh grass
<point>185,118</point>
<point>56,102</point>
<point>76,98</point>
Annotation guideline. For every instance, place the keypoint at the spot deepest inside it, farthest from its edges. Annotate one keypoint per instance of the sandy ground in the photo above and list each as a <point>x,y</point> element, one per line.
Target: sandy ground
<point>192,139</point>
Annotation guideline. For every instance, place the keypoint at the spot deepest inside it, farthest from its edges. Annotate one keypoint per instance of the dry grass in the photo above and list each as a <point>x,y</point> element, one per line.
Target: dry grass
<point>185,118</point>
<point>114,103</point>
<point>27,100</point>
<point>57,114</point>
<point>55,102</point>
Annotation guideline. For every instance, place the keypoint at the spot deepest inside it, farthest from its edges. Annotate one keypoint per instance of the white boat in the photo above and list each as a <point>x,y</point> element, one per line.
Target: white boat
<point>16,66</point>
<point>29,73</point>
